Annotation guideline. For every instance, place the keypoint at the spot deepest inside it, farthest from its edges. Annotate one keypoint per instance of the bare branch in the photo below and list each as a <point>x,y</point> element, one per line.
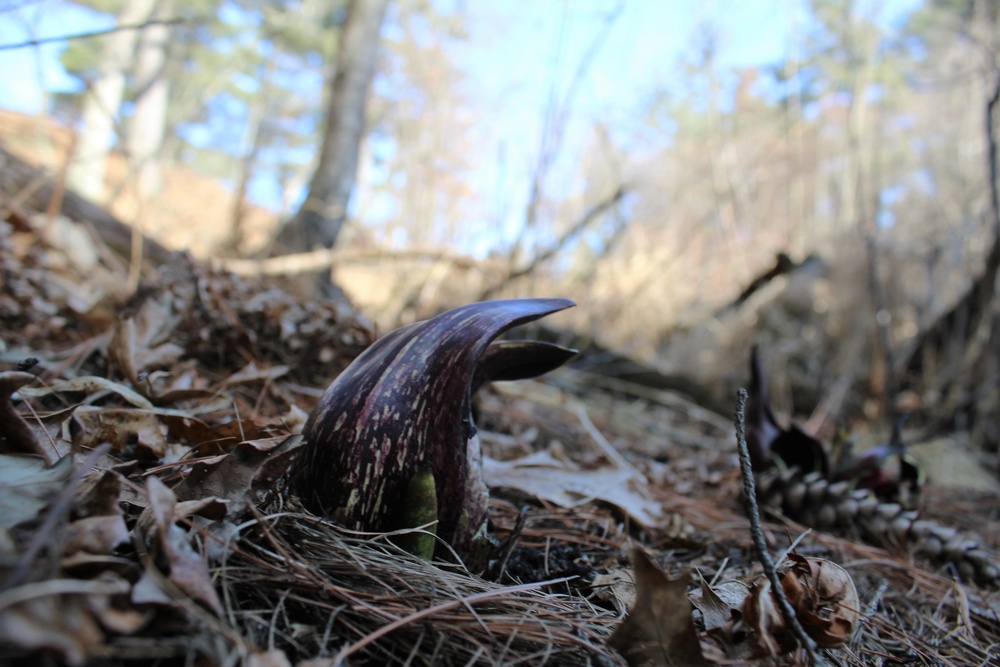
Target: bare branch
<point>95,33</point>
<point>575,230</point>
<point>555,122</point>
<point>325,258</point>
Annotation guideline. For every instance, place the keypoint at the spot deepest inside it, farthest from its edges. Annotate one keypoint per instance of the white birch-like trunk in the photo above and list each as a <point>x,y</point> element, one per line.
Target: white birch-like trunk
<point>149,119</point>
<point>86,172</point>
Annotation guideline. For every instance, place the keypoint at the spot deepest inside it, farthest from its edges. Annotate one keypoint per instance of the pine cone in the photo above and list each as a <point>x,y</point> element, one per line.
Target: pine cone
<point>815,501</point>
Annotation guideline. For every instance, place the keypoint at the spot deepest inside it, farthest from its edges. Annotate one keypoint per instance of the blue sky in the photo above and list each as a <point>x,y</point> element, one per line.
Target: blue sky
<point>517,56</point>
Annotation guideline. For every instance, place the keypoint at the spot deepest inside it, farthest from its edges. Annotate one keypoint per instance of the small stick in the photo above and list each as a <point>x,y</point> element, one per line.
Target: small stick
<point>508,547</point>
<point>757,532</point>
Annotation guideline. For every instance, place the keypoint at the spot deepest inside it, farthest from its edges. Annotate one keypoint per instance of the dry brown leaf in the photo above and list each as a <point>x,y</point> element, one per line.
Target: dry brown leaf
<point>27,486</point>
<point>826,602</point>
<point>188,569</point>
<point>251,373</point>
<point>98,494</point>
<point>61,624</point>
<point>99,535</point>
<point>114,611</point>
<point>89,384</point>
<point>138,339</point>
<point>15,436</point>
<point>824,599</point>
<point>715,612</point>
<point>196,431</point>
<point>659,630</point>
<point>551,480</point>
<point>243,477</point>
<point>762,614</point>
<point>120,427</point>
<point>616,587</point>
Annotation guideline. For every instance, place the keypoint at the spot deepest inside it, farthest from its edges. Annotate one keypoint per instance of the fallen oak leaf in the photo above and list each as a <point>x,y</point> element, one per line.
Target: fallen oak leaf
<point>659,629</point>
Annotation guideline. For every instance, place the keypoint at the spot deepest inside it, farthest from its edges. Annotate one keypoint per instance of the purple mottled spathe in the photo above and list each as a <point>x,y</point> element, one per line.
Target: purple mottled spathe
<point>405,404</point>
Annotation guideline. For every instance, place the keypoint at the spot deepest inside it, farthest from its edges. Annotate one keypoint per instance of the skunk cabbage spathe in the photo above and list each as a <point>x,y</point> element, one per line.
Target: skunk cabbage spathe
<point>403,409</point>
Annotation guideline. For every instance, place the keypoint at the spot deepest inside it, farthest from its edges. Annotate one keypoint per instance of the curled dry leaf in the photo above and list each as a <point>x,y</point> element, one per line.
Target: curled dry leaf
<point>188,569</point>
<point>659,629</point>
<point>823,596</point>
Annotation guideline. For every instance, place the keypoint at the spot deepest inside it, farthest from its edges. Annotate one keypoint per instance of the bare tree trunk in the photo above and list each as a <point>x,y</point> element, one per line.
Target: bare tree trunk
<point>86,173</point>
<point>261,107</point>
<point>149,120</point>
<point>319,219</point>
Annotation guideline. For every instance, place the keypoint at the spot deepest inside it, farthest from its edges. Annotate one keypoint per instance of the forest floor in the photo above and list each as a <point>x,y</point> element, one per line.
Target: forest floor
<point>152,525</point>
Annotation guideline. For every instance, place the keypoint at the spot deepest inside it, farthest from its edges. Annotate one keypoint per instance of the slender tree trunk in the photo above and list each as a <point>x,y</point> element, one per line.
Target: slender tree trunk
<point>86,173</point>
<point>319,219</point>
<point>257,130</point>
<point>149,120</point>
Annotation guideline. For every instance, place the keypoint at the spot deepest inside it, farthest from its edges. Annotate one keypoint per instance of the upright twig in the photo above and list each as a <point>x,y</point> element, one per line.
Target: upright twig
<point>757,532</point>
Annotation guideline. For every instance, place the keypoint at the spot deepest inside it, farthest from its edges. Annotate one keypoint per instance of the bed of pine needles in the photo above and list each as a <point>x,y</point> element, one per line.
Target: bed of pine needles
<point>232,361</point>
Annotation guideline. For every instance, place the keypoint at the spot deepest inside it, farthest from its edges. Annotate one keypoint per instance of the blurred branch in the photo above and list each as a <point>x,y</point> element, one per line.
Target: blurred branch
<point>960,339</point>
<point>991,139</point>
<point>554,126</point>
<point>325,258</point>
<point>575,230</point>
<point>95,33</point>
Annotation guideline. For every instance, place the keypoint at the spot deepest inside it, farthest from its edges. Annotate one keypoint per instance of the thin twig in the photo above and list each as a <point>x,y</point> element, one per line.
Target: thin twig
<point>757,532</point>
<point>510,543</point>
<point>95,33</point>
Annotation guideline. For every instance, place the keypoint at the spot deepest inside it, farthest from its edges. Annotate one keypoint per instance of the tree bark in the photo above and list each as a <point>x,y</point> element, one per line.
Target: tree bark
<point>149,120</point>
<point>86,173</point>
<point>321,216</point>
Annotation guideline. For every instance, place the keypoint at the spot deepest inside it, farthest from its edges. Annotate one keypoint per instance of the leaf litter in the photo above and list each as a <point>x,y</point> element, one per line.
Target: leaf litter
<point>162,532</point>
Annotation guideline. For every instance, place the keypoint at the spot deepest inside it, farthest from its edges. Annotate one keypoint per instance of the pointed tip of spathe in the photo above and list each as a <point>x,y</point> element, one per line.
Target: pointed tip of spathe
<point>548,304</point>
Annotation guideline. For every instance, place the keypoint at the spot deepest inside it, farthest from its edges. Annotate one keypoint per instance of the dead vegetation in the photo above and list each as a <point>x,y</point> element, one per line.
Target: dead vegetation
<point>163,533</point>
